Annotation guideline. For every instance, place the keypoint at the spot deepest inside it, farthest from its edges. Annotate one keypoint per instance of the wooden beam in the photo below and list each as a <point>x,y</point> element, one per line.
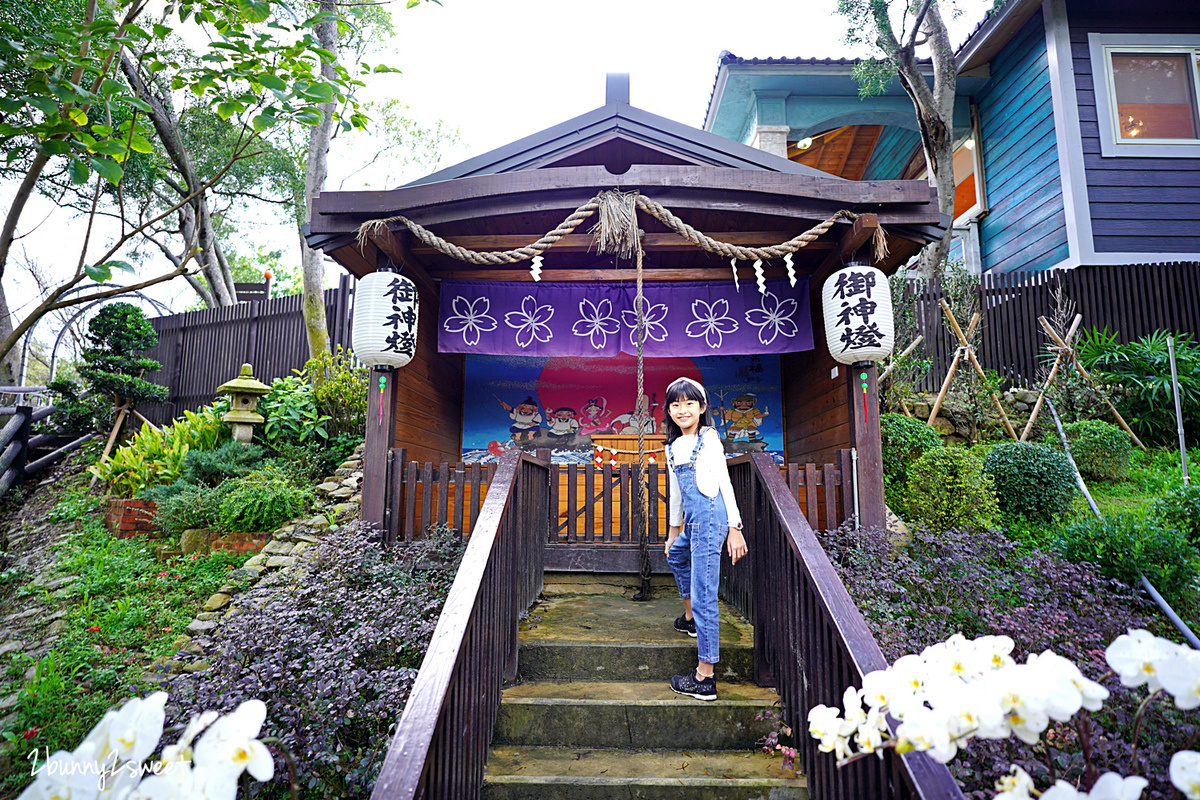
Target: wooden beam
<point>582,242</point>
<point>389,243</point>
<point>577,275</point>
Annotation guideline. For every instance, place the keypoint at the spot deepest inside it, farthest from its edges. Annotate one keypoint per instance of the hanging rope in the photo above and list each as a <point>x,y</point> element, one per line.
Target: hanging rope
<point>616,232</point>
<point>640,491</point>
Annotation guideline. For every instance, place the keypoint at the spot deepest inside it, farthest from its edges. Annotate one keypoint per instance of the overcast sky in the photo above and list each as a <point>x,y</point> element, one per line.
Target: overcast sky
<point>499,70</point>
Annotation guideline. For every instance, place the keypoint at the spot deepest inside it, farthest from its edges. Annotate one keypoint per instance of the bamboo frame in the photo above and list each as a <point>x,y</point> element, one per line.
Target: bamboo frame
<point>965,348</point>
<point>1083,373</point>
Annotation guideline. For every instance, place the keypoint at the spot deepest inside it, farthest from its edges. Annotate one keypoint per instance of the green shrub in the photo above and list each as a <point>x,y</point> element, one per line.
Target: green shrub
<point>261,501</point>
<point>155,457</point>
<point>947,488</point>
<point>111,364</point>
<point>1032,480</point>
<point>339,391</point>
<point>1140,372</point>
<point>77,411</point>
<point>904,441</point>
<point>1180,508</point>
<point>1122,544</point>
<point>292,417</point>
<point>182,505</point>
<point>1101,450</point>
<point>231,460</point>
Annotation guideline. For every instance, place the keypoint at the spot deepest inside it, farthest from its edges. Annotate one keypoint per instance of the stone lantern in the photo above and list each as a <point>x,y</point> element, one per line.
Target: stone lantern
<point>243,391</point>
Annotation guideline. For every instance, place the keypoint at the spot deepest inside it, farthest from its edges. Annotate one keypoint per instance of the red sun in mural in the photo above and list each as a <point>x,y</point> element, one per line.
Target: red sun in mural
<point>571,382</point>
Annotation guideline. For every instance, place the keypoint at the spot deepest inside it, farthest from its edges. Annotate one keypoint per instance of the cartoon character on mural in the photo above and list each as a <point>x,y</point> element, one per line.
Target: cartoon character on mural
<point>526,418</point>
<point>642,414</point>
<point>743,419</point>
<point>595,416</point>
<point>562,422</point>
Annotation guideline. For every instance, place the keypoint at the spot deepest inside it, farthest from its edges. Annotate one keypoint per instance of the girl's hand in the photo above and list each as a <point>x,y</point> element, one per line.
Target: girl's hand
<point>737,544</point>
<point>672,535</point>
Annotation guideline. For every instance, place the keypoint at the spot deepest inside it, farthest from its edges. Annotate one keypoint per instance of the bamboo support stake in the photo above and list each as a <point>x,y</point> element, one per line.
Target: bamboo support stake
<point>112,437</point>
<point>1083,373</point>
<point>153,427</point>
<point>950,372</point>
<point>966,344</point>
<point>945,386</point>
<point>888,372</point>
<point>1037,406</point>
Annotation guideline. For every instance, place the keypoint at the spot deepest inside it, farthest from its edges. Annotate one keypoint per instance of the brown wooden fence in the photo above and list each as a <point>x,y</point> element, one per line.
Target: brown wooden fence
<point>1132,301</point>
<point>594,519</point>
<point>200,350</point>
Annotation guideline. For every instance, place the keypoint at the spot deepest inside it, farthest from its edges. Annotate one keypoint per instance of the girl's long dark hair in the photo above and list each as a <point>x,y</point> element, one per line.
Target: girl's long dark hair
<point>685,390</point>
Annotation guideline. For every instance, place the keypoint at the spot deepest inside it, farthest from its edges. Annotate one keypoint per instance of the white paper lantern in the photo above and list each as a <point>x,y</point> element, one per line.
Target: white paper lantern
<point>857,304</point>
<point>385,320</point>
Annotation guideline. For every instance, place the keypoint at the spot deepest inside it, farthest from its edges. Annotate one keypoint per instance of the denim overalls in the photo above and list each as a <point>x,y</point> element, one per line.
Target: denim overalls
<point>695,557</point>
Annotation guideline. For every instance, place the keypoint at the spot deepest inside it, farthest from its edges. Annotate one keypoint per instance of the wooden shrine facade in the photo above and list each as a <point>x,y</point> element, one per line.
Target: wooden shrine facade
<point>512,196</point>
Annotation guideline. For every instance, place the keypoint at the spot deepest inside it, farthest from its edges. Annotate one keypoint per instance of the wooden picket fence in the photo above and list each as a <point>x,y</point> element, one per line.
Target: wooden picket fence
<point>594,519</point>
<point>1131,301</point>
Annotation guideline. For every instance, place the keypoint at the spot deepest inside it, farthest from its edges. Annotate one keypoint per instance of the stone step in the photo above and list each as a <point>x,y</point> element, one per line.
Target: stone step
<point>609,637</point>
<point>635,714</point>
<point>558,773</point>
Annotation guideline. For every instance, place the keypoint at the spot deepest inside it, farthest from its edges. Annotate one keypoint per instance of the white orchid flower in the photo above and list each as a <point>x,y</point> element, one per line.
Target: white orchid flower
<point>1061,790</point>
<point>1136,658</point>
<point>182,749</point>
<point>1180,676</point>
<point>926,730</point>
<point>1185,773</point>
<point>824,723</point>
<point>1111,786</point>
<point>130,733</point>
<point>230,744</point>
<point>67,776</point>
<point>994,651</point>
<point>1017,785</point>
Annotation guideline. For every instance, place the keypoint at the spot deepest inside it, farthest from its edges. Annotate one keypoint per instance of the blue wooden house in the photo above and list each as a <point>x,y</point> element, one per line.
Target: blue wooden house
<point>1077,131</point>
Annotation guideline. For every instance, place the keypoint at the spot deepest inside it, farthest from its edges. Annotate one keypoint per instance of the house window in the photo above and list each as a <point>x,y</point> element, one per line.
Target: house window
<point>970,199</point>
<point>1147,94</point>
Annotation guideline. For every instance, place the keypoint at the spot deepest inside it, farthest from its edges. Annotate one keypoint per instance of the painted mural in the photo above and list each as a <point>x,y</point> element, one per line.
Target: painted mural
<point>560,402</point>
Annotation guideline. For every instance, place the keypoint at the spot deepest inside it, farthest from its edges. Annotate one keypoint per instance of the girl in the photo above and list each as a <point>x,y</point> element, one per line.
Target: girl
<point>703,514</point>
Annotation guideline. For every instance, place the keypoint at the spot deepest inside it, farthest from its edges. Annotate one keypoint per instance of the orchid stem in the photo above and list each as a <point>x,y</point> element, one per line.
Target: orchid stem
<point>1137,729</point>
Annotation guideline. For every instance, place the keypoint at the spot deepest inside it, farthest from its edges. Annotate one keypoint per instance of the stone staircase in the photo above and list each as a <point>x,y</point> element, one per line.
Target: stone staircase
<point>592,716</point>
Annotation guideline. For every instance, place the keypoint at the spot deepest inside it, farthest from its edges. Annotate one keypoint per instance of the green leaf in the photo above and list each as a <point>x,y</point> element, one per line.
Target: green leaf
<point>161,31</point>
<point>226,110</point>
<point>98,272</point>
<point>124,266</point>
<point>109,147</point>
<point>254,10</point>
<point>78,116</point>
<point>140,144</point>
<point>43,104</point>
<point>110,87</point>
<point>263,121</point>
<point>272,82</point>
<point>385,68</point>
<point>102,130</point>
<point>309,116</point>
<point>109,170</point>
<point>39,61</point>
<point>79,171</point>
<point>54,147</point>
<point>321,92</point>
<point>9,105</point>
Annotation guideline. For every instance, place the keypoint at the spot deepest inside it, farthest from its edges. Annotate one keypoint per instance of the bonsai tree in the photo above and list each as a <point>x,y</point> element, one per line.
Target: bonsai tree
<point>111,364</point>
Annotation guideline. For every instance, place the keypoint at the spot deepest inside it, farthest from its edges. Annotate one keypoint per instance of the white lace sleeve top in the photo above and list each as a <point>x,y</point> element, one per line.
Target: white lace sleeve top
<point>712,475</point>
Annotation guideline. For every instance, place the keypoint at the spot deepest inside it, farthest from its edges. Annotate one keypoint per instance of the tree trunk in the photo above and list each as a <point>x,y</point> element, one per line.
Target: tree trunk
<point>197,217</point>
<point>316,170</point>
<point>10,365</point>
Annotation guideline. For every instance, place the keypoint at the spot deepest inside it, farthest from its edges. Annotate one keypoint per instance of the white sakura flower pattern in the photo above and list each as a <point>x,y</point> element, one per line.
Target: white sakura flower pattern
<point>655,330</point>
<point>470,318</point>
<point>773,318</point>
<point>530,322</point>
<point>712,322</point>
<point>596,321</point>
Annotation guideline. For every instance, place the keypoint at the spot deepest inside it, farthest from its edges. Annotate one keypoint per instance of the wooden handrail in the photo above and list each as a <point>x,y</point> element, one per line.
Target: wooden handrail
<point>810,639</point>
<point>442,739</point>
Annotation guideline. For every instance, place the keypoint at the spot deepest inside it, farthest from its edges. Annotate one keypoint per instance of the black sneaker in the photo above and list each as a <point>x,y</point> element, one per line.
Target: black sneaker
<point>701,690</point>
<point>685,625</point>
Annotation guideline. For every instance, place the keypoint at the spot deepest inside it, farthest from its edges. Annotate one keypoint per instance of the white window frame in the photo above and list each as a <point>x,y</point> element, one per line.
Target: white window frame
<point>980,207</point>
<point>1101,47</point>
